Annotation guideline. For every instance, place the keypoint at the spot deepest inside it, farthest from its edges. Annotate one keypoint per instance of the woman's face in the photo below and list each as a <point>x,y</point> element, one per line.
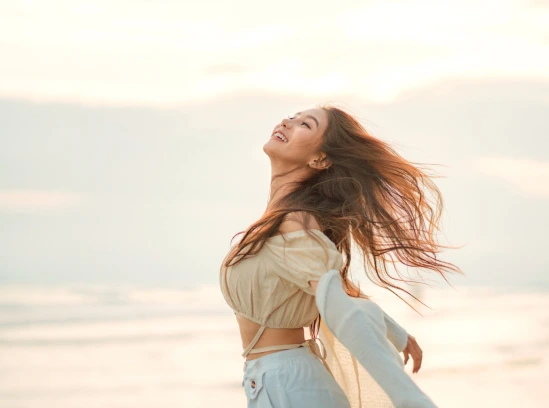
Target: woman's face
<point>303,135</point>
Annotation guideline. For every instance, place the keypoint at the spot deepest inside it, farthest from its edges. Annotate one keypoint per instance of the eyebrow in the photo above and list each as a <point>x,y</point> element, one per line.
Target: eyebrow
<point>309,116</point>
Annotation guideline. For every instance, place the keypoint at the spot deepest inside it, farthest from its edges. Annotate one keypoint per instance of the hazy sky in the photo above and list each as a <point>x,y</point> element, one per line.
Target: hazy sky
<point>169,51</point>
<point>132,131</point>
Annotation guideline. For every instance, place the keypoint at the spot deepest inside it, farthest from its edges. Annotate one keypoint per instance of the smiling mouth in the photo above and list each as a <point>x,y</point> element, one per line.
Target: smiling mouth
<point>277,138</point>
<point>280,136</point>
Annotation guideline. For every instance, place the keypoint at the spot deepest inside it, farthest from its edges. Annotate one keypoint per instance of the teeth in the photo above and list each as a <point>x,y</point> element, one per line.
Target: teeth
<point>281,136</point>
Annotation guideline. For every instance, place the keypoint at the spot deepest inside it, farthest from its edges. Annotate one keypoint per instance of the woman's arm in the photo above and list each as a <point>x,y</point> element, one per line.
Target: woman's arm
<point>364,336</point>
<point>396,334</point>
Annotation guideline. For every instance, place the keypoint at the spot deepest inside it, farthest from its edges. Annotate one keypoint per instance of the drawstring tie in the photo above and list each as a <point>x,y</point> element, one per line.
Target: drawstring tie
<point>310,343</point>
<point>315,349</point>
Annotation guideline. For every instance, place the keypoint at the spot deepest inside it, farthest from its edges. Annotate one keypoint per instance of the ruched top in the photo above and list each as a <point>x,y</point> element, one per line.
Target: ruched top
<point>272,287</point>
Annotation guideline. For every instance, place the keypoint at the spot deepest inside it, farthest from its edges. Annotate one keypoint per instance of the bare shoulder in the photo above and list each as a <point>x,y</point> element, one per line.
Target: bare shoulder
<point>298,220</point>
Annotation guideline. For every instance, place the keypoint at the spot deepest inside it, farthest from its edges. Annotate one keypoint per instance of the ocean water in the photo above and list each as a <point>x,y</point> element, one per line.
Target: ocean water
<point>92,346</point>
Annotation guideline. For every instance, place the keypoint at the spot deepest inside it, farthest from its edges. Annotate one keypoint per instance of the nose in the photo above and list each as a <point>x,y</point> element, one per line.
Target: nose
<point>285,122</point>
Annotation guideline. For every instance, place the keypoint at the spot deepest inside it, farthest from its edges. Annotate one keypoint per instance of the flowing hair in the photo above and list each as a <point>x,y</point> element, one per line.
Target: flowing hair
<point>370,195</point>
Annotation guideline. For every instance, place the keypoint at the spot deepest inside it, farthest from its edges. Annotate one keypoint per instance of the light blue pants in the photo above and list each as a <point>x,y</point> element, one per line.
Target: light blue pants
<point>294,378</point>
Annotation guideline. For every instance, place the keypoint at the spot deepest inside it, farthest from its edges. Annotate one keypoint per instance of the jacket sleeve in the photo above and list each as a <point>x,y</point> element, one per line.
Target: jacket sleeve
<point>396,334</point>
<point>364,335</point>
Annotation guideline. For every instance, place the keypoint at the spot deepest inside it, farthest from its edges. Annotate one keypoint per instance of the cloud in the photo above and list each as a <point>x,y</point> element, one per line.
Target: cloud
<point>177,53</point>
<point>525,174</point>
<point>166,189</point>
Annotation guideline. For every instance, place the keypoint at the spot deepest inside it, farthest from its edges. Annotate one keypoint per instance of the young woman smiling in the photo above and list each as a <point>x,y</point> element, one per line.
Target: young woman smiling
<point>332,184</point>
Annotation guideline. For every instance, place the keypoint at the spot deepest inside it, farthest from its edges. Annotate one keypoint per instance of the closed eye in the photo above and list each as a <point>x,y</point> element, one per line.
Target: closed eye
<point>303,123</point>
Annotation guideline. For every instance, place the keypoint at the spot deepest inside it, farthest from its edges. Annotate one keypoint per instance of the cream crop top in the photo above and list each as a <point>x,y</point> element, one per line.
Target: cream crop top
<point>271,288</point>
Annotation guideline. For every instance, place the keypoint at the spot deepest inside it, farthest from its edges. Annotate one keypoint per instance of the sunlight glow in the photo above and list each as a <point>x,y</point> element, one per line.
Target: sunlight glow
<point>119,52</point>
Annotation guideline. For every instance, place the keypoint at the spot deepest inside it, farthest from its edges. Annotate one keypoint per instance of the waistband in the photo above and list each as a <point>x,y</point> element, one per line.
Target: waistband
<point>273,359</point>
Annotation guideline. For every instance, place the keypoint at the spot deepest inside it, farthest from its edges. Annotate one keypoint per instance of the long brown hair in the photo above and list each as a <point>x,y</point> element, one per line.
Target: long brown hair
<point>370,195</point>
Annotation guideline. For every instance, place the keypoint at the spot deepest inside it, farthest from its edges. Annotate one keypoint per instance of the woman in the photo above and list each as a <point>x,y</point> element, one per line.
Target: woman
<point>332,183</point>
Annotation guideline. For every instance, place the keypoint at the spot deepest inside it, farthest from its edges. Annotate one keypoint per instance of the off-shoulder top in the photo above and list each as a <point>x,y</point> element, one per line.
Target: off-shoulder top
<point>272,287</point>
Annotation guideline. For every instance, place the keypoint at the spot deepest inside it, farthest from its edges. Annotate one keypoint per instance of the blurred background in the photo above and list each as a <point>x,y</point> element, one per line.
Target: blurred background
<point>131,152</point>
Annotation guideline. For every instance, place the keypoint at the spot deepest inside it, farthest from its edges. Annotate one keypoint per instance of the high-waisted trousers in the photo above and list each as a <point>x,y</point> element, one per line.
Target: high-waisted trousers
<point>294,378</point>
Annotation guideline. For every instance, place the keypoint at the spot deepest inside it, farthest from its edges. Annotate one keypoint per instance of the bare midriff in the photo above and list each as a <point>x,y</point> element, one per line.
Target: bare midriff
<point>270,336</point>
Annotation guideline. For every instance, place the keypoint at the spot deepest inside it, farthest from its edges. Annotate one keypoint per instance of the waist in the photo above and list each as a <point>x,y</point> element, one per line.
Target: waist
<point>274,339</point>
<point>270,336</point>
<point>306,349</point>
<point>280,358</point>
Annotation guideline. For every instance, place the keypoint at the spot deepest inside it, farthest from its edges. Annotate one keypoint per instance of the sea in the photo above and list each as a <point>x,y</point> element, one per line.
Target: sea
<point>114,346</point>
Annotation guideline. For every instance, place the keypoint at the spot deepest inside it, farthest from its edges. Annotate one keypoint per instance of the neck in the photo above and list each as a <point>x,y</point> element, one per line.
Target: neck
<point>283,184</point>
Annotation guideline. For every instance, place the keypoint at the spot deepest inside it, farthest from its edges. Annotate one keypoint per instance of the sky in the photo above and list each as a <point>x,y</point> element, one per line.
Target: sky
<point>132,131</point>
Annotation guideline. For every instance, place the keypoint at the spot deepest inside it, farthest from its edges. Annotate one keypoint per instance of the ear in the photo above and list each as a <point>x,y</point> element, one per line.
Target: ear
<point>321,163</point>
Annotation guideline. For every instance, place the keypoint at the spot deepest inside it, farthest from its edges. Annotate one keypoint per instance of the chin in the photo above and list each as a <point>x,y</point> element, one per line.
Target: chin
<point>267,147</point>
